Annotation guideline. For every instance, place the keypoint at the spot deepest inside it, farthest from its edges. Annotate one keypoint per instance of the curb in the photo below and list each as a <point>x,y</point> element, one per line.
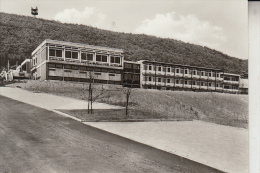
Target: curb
<point>137,120</point>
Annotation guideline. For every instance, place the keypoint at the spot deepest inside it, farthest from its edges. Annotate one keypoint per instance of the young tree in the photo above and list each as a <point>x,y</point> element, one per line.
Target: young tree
<point>128,94</point>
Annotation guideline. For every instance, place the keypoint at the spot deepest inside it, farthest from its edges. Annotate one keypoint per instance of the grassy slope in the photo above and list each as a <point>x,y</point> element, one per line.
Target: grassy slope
<point>20,35</point>
<point>226,109</point>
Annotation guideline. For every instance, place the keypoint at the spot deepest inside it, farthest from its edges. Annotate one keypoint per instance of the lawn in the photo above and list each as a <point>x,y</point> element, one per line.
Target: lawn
<point>220,108</point>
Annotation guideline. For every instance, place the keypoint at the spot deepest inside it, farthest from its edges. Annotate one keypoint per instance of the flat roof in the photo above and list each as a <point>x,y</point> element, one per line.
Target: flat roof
<point>78,45</point>
<point>164,63</point>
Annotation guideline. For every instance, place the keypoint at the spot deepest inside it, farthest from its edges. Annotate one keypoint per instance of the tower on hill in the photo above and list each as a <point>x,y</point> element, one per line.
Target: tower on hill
<point>34,11</point>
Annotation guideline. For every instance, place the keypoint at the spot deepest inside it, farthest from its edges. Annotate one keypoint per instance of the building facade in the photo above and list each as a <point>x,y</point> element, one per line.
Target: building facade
<point>66,61</point>
<point>131,74</point>
<point>168,76</point>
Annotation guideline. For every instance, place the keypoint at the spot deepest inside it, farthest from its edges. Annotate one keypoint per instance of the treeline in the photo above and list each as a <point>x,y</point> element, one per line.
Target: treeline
<point>20,35</point>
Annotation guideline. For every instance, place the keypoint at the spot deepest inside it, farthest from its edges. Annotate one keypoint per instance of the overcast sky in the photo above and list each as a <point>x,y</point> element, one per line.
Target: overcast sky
<point>218,24</point>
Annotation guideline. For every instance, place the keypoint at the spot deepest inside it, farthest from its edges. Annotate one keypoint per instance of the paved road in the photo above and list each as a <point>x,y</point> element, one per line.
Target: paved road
<point>37,140</point>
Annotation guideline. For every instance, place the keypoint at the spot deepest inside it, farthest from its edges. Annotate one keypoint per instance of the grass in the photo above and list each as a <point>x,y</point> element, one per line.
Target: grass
<point>116,115</point>
<point>220,108</point>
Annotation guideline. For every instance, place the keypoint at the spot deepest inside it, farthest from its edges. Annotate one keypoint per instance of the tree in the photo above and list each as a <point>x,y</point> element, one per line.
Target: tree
<point>128,94</point>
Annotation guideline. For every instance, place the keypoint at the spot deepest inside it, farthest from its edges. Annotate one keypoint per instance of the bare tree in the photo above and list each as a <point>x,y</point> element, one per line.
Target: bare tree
<point>128,94</point>
<point>90,94</point>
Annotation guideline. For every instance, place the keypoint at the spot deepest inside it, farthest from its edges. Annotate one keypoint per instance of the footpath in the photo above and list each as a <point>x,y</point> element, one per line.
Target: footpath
<point>218,146</point>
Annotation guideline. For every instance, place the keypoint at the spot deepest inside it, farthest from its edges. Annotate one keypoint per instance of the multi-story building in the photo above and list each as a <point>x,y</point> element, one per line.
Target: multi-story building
<point>59,60</point>
<point>159,75</point>
<point>66,61</point>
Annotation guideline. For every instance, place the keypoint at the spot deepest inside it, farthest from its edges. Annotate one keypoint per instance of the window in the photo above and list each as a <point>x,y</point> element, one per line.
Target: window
<point>186,71</point>
<point>209,84</point>
<point>159,79</point>
<point>210,74</point>
<point>87,56</point>
<point>202,73</point>
<point>52,52</point>
<point>101,58</point>
<point>115,59</point>
<point>150,78</point>
<point>70,54</point>
<point>177,70</point>
<point>67,66</point>
<point>217,85</point>
<point>168,69</point>
<point>193,83</point>
<point>136,66</point>
<point>217,74</point>
<point>59,66</point>
<point>75,55</point>
<point>150,67</point>
<point>127,76</point>
<point>83,68</point>
<point>75,67</point>
<point>201,83</point>
<point>127,65</point>
<point>186,82</point>
<point>168,80</point>
<point>194,72</point>
<point>136,77</point>
<point>159,68</point>
<point>55,52</point>
<point>177,81</point>
<point>52,65</point>
<point>103,70</point>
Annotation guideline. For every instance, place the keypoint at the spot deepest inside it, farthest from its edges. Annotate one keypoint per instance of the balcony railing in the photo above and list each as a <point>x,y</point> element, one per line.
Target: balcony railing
<point>231,82</point>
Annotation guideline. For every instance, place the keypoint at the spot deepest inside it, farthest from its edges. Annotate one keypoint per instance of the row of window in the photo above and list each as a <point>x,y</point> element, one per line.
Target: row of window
<point>84,56</point>
<point>133,77</point>
<point>230,87</point>
<point>166,88</point>
<point>83,80</point>
<point>83,68</point>
<point>231,78</point>
<point>180,81</point>
<point>131,66</point>
<point>180,70</point>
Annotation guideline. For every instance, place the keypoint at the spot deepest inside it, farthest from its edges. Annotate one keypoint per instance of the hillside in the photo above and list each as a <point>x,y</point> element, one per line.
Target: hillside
<point>20,35</point>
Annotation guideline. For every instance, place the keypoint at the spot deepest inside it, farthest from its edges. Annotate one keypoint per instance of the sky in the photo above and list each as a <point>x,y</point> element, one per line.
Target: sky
<point>218,24</point>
